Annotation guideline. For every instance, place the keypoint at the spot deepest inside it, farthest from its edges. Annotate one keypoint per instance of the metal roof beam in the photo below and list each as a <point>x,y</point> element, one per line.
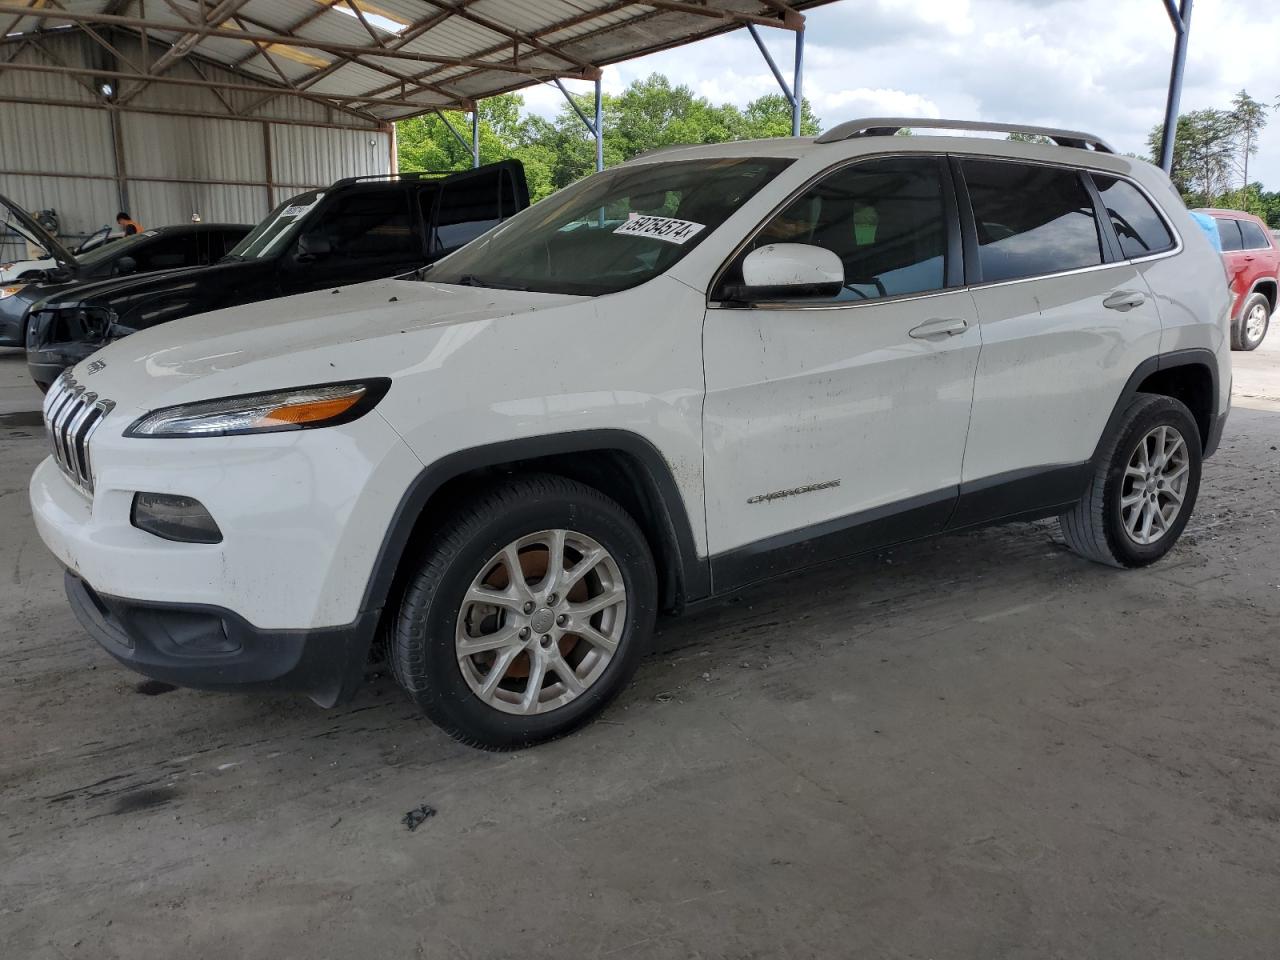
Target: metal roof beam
<point>77,16</point>
<point>327,99</point>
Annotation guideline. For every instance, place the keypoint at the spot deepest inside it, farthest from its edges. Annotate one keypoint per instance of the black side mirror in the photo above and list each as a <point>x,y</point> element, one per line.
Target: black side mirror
<point>126,265</point>
<point>313,246</point>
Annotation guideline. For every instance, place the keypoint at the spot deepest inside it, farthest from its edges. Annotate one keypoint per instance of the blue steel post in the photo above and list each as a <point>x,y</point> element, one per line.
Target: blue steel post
<point>1181,19</point>
<point>797,94</point>
<point>475,136</point>
<point>599,129</point>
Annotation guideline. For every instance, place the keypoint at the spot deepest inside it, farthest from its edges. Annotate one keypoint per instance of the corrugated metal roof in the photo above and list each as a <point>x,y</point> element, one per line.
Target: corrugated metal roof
<point>405,56</point>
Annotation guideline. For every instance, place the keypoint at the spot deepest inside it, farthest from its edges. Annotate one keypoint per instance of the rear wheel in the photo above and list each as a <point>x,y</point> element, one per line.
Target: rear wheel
<point>1143,489</point>
<point>527,613</point>
<point>1254,320</point>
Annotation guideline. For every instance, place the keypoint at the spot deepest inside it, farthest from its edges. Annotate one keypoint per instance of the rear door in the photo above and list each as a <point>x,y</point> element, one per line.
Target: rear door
<point>837,426</point>
<point>1066,319</point>
<point>1233,255</point>
<point>1261,258</point>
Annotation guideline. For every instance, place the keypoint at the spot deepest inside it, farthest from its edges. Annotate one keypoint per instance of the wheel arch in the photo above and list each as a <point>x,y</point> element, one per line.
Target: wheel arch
<point>1190,376</point>
<point>1269,287</point>
<point>621,464</point>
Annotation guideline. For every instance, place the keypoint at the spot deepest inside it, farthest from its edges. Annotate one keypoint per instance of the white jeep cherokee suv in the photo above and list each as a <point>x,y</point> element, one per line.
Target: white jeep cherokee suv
<point>705,367</point>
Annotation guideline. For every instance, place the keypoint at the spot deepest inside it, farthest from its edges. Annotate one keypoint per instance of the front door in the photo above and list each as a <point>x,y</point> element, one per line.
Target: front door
<point>365,234</point>
<point>837,426</point>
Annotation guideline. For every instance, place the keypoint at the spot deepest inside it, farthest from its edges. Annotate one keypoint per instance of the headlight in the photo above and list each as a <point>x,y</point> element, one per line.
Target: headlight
<point>325,405</point>
<point>6,292</point>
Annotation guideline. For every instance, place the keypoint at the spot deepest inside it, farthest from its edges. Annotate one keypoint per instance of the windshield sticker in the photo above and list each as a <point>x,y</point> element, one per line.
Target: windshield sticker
<point>661,228</point>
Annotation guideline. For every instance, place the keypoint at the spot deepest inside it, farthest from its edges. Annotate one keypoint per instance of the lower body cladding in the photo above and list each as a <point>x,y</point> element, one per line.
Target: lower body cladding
<point>282,602</point>
<point>206,648</point>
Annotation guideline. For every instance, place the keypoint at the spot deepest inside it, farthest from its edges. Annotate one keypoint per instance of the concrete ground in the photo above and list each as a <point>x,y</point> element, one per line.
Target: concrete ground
<point>978,747</point>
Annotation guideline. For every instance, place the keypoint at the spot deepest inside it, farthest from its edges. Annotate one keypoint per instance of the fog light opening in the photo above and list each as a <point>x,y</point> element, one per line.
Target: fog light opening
<point>173,517</point>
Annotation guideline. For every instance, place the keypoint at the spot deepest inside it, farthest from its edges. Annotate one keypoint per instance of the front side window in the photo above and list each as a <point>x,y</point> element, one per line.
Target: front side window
<point>612,231</point>
<point>1229,233</point>
<point>168,253</point>
<point>885,219</point>
<point>1139,227</point>
<point>1031,220</point>
<point>365,225</point>
<point>1254,238</point>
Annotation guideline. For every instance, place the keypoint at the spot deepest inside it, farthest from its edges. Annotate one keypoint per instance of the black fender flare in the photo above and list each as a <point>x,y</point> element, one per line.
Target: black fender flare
<point>692,571</point>
<point>1191,357</point>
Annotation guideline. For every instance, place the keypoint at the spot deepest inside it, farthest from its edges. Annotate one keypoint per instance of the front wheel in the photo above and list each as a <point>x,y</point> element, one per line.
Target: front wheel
<point>1254,320</point>
<point>527,613</point>
<point>1143,489</point>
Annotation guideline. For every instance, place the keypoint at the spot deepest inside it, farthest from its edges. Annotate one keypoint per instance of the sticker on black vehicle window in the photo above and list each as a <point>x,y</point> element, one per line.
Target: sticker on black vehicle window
<point>661,228</point>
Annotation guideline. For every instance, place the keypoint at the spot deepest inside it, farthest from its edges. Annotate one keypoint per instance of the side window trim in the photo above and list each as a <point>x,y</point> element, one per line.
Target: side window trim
<point>1111,252</point>
<point>968,225</point>
<point>1175,245</point>
<point>953,278</point>
<point>973,266</point>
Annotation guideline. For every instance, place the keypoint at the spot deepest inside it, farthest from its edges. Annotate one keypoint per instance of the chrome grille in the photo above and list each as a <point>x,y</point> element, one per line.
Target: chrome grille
<point>71,415</point>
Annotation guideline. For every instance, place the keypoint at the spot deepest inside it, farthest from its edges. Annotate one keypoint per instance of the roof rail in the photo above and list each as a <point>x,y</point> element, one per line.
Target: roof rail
<point>888,126</point>
<point>410,175</point>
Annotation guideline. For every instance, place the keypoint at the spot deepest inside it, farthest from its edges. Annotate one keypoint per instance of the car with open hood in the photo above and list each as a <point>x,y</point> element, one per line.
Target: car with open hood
<point>670,381</point>
<point>358,229</point>
<point>152,251</point>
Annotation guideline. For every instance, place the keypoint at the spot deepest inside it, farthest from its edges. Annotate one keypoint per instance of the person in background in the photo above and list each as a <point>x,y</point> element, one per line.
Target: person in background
<point>128,224</point>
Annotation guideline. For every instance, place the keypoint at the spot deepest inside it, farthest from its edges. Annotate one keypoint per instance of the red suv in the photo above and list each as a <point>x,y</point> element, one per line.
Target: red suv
<point>1253,264</point>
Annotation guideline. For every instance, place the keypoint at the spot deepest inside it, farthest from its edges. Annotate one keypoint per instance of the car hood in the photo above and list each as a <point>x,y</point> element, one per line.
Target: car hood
<point>26,226</point>
<point>107,290</point>
<point>310,337</point>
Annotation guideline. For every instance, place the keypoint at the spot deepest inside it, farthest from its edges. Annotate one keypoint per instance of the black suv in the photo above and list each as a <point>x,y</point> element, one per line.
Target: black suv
<point>167,248</point>
<point>359,229</point>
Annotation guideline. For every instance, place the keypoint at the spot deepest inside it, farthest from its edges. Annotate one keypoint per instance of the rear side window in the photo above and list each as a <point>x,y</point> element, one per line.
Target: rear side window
<point>1031,220</point>
<point>1254,238</point>
<point>467,209</point>
<point>1139,227</point>
<point>1229,233</point>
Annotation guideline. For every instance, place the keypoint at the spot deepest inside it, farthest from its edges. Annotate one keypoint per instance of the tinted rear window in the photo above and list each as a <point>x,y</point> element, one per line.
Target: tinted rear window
<point>1031,220</point>
<point>1254,238</point>
<point>1229,233</point>
<point>1139,227</point>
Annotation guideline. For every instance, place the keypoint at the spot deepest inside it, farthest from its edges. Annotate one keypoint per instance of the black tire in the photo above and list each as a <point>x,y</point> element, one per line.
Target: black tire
<point>1240,339</point>
<point>421,647</point>
<point>1094,528</point>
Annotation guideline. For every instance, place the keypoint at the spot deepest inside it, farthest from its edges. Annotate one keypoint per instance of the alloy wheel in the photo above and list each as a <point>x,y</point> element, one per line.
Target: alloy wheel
<point>541,622</point>
<point>1256,323</point>
<point>1155,485</point>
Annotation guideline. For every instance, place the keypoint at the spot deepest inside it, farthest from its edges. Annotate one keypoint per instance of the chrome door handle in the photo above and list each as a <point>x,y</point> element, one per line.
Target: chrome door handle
<point>1124,300</point>
<point>938,329</point>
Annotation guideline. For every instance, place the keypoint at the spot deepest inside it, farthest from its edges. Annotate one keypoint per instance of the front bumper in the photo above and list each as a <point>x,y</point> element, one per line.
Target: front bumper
<point>12,322</point>
<point>45,364</point>
<point>208,648</point>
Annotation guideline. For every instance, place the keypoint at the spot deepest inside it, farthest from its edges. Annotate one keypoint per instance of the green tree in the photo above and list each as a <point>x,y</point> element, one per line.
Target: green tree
<point>1250,118</point>
<point>651,113</point>
<point>1203,154</point>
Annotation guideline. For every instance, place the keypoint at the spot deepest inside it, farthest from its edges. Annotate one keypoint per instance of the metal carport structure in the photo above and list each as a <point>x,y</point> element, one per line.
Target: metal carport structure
<point>362,64</point>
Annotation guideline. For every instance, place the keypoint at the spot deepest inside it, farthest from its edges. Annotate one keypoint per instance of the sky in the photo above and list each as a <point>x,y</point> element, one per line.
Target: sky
<point>1096,65</point>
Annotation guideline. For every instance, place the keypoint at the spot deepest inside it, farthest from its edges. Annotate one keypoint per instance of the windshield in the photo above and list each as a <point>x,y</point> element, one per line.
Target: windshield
<point>611,231</point>
<point>109,251</point>
<point>273,233</point>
